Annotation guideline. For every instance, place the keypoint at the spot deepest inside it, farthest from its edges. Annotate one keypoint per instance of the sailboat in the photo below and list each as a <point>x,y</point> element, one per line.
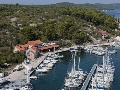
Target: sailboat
<point>104,75</point>
<point>75,77</point>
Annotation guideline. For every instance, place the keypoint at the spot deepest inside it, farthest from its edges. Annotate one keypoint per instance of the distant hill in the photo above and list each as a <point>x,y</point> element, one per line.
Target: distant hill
<point>98,6</point>
<point>109,6</point>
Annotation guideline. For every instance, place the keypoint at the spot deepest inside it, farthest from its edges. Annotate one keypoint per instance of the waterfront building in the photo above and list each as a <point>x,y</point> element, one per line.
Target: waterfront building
<point>33,48</point>
<point>20,48</point>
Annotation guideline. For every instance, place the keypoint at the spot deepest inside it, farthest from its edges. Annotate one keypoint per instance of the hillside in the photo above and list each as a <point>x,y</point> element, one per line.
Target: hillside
<point>97,6</point>
<point>22,23</point>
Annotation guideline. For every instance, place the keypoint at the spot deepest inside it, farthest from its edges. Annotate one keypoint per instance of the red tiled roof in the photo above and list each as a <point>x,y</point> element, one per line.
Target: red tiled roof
<point>31,43</point>
<point>34,42</point>
<point>43,48</point>
<point>21,47</point>
<point>48,47</point>
<point>38,41</point>
<point>57,45</point>
<point>25,45</point>
<point>103,32</point>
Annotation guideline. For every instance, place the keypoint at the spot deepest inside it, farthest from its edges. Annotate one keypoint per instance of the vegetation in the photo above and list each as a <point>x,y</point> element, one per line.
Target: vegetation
<point>97,6</point>
<point>65,24</point>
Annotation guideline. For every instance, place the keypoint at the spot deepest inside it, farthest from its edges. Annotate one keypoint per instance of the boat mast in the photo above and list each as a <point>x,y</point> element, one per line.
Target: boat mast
<point>96,76</point>
<point>103,68</point>
<point>74,65</point>
<point>79,64</point>
<point>54,48</point>
<point>74,61</point>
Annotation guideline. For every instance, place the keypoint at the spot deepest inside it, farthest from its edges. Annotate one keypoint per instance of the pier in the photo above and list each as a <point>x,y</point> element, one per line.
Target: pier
<point>41,59</point>
<point>85,84</point>
<point>18,78</point>
<point>17,75</point>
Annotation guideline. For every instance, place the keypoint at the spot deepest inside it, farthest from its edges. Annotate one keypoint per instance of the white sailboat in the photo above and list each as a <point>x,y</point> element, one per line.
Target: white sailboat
<point>75,77</point>
<point>104,75</point>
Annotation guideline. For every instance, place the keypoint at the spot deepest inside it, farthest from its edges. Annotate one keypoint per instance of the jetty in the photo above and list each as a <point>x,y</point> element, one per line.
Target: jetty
<point>85,84</point>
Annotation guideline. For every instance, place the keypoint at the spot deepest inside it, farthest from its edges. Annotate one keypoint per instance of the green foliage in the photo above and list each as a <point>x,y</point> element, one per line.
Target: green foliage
<point>44,39</point>
<point>66,24</point>
<point>10,57</point>
<point>28,34</point>
<point>64,43</point>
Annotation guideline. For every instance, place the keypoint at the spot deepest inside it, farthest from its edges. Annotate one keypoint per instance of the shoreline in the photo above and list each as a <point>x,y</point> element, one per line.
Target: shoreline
<point>34,63</point>
<point>20,78</point>
<point>19,75</point>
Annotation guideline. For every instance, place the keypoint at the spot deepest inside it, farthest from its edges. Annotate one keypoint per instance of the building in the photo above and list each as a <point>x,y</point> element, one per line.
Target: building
<point>36,43</point>
<point>19,48</point>
<point>49,48</point>
<point>31,53</point>
<point>103,34</point>
<point>33,48</point>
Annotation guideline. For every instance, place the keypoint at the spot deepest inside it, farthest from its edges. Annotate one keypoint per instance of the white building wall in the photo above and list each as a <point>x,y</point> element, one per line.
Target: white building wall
<point>15,50</point>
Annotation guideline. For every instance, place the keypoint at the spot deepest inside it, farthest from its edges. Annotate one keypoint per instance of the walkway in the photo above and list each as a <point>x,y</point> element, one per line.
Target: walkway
<point>17,75</point>
<point>85,84</point>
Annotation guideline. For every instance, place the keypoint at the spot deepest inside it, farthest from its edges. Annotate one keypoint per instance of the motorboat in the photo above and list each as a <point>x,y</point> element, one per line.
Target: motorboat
<point>27,87</point>
<point>33,77</point>
<point>45,66</point>
<point>55,56</point>
<point>41,70</point>
<point>113,51</point>
<point>73,49</point>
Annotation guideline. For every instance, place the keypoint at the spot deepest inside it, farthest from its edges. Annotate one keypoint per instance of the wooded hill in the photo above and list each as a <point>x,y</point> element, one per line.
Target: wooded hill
<point>64,24</point>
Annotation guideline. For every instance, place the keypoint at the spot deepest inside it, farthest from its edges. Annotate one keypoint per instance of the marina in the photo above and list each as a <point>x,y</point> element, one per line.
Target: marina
<point>55,72</point>
<point>104,75</point>
<point>85,84</point>
<point>84,58</point>
<point>19,78</point>
<point>76,75</point>
<point>72,76</point>
<point>63,70</point>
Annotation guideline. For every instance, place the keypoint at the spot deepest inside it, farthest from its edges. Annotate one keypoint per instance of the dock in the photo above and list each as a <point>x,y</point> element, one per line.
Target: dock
<point>40,59</point>
<point>85,84</point>
<point>19,78</point>
<point>15,76</point>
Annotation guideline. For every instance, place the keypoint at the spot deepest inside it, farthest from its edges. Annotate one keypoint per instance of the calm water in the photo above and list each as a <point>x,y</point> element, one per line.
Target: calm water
<point>54,80</point>
<point>115,13</point>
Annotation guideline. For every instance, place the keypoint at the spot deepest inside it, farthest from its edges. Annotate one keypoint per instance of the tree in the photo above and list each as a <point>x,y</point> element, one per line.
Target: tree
<point>28,34</point>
